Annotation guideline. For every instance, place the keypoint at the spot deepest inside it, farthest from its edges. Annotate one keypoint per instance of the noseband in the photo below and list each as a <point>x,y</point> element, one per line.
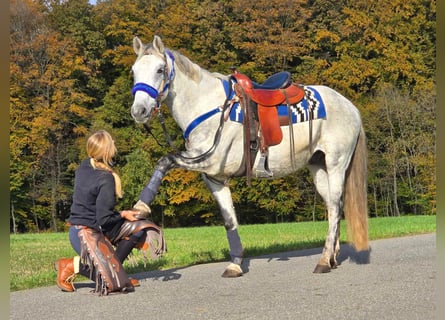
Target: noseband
<point>153,92</point>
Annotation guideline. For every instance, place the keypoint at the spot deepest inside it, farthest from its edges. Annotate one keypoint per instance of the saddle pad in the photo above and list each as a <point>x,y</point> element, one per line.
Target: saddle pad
<point>312,102</point>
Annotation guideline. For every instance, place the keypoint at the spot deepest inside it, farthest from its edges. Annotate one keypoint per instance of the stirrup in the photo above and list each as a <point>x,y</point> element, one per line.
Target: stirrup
<point>262,170</point>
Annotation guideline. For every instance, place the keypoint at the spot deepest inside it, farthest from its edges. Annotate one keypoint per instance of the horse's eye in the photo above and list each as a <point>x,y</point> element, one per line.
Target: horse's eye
<point>161,70</point>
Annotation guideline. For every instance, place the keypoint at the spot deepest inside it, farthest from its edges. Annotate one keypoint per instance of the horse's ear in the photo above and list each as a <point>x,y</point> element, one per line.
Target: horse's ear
<point>137,45</point>
<point>158,44</point>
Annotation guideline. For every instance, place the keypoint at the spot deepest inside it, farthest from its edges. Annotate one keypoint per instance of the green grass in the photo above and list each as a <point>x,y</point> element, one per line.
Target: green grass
<point>32,255</point>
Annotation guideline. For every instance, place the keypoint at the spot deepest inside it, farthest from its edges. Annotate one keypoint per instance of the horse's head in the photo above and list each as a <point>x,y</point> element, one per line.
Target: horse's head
<point>153,71</point>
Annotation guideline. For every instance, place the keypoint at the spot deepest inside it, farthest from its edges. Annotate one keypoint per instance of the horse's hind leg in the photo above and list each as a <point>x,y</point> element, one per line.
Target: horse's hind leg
<point>330,188</point>
<point>223,196</point>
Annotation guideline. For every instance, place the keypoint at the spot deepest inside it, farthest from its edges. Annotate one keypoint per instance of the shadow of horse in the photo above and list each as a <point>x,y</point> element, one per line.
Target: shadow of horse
<point>347,252</point>
<point>159,275</point>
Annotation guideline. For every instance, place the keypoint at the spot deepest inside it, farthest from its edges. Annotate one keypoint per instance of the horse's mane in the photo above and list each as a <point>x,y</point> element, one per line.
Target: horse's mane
<point>191,69</point>
<point>184,64</point>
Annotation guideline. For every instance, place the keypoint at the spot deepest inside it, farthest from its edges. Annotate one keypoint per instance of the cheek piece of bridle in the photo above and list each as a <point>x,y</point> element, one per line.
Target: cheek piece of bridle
<point>155,94</point>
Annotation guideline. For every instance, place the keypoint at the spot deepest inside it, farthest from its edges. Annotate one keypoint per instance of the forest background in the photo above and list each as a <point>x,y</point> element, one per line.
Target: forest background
<point>70,76</point>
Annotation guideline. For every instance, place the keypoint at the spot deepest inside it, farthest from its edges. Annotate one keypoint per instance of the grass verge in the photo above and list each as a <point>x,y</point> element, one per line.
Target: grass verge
<point>32,255</point>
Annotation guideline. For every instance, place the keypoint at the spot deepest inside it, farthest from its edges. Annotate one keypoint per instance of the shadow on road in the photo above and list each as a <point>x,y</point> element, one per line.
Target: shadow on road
<point>347,252</point>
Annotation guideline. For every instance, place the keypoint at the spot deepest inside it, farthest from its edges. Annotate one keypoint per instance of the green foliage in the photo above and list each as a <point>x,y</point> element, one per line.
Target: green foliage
<point>135,174</point>
<point>70,75</point>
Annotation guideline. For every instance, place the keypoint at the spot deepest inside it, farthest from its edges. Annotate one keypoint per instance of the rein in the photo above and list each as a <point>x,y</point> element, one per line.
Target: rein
<point>203,156</point>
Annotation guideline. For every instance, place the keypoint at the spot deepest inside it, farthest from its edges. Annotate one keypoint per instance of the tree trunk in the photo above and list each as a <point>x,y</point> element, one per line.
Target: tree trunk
<point>14,227</point>
<point>375,200</point>
<point>395,192</point>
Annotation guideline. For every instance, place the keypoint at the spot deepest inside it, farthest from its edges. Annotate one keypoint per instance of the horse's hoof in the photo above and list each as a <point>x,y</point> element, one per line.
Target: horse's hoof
<point>322,268</point>
<point>232,271</point>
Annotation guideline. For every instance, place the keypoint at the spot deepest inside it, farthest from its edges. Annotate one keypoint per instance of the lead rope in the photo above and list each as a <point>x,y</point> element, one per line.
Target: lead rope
<point>170,143</point>
<point>206,154</point>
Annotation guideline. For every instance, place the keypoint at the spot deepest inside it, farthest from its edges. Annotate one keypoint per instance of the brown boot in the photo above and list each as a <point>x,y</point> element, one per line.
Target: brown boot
<point>65,274</point>
<point>135,282</point>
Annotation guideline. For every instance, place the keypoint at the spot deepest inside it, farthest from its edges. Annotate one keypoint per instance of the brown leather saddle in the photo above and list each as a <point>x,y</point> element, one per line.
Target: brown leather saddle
<point>277,90</point>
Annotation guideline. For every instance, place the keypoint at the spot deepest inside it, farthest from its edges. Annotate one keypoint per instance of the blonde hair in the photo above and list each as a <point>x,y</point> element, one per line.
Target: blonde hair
<point>101,150</point>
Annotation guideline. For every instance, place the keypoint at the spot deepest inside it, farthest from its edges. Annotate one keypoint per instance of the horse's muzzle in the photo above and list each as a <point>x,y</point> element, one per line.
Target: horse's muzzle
<point>140,114</point>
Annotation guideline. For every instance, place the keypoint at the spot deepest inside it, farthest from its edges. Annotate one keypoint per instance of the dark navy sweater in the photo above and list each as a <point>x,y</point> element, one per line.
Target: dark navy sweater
<point>94,199</point>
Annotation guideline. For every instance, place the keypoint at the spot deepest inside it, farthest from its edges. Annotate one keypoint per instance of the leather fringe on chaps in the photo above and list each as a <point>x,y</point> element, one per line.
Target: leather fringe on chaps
<point>98,254</point>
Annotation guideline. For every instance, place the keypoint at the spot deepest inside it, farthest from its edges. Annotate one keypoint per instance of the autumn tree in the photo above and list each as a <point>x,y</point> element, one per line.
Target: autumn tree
<point>47,107</point>
<point>70,75</point>
<point>268,34</point>
<point>75,19</point>
<point>404,145</point>
<point>376,44</point>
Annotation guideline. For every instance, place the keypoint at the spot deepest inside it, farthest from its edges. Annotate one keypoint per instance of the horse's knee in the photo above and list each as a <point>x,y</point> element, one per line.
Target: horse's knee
<point>230,224</point>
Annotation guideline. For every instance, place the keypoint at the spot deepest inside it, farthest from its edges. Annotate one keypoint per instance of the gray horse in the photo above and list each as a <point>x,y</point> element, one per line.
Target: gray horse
<point>333,146</point>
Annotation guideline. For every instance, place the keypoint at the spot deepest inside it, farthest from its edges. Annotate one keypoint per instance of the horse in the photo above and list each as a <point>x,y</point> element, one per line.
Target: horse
<point>333,147</point>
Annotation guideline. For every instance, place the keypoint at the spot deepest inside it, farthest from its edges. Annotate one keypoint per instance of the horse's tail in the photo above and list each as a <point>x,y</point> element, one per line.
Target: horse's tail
<point>355,196</point>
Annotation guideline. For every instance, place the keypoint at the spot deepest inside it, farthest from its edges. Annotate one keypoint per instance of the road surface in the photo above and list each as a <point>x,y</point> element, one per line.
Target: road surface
<point>398,283</point>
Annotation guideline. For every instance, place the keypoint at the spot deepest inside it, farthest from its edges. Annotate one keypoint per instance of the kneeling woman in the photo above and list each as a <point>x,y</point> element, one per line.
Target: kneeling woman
<point>94,221</point>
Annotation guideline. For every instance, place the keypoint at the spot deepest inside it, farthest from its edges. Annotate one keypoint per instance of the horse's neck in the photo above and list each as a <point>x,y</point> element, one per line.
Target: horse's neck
<point>189,99</point>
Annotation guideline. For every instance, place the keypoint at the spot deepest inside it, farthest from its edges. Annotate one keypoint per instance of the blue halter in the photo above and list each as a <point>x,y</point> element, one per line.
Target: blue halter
<point>152,92</point>
<point>140,86</point>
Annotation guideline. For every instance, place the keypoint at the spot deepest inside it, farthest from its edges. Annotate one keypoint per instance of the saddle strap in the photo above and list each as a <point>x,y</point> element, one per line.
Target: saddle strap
<point>245,105</point>
<point>291,131</point>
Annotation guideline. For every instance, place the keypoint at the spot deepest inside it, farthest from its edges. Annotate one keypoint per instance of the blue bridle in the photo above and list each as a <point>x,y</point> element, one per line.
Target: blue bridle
<point>153,92</point>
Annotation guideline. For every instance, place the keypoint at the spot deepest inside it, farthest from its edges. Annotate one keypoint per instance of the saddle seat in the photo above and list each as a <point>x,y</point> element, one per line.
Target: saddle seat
<point>277,89</point>
<point>278,80</point>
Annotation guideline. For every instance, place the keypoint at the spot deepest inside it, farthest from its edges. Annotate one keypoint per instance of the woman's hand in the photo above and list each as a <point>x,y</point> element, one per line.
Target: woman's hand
<point>129,215</point>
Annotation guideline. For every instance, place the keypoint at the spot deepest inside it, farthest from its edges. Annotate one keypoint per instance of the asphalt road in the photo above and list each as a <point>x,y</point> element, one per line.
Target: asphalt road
<point>398,283</point>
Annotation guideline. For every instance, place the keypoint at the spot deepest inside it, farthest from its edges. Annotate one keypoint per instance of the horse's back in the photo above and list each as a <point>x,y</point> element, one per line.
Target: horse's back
<point>336,102</point>
<point>342,116</point>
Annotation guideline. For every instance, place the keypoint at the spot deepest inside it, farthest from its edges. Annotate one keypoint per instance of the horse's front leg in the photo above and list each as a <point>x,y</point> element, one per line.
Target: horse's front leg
<point>150,191</point>
<point>223,196</point>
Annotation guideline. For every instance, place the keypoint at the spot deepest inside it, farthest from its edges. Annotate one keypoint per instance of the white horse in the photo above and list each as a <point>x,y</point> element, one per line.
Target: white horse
<point>333,147</point>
